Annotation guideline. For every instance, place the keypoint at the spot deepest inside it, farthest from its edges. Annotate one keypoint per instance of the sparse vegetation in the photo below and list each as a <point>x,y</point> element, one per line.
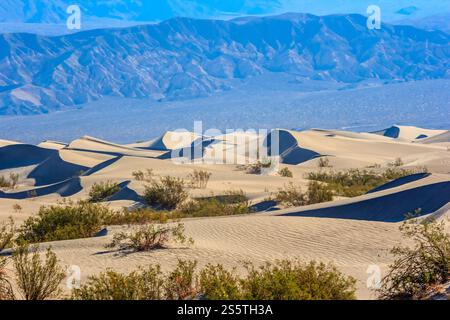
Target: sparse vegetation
<point>10,183</point>
<point>102,191</point>
<point>64,221</point>
<point>356,182</point>
<point>150,237</point>
<point>287,280</point>
<point>231,203</point>
<point>37,279</point>
<point>199,179</point>
<point>293,196</point>
<point>6,289</point>
<point>324,162</point>
<point>257,167</point>
<point>17,208</point>
<point>283,280</point>
<point>167,194</point>
<point>7,234</point>
<point>397,163</point>
<point>285,172</point>
<point>146,176</point>
<point>140,217</point>
<point>421,267</point>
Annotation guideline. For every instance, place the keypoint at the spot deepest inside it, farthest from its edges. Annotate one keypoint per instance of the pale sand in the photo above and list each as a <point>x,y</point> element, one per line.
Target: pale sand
<point>352,242</point>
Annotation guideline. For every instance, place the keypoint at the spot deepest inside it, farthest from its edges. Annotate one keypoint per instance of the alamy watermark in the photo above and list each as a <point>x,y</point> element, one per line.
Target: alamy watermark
<point>74,20</point>
<point>374,17</point>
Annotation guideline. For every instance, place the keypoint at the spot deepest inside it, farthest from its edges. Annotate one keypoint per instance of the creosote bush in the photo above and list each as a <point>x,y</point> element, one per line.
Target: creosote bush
<point>356,182</point>
<point>231,203</point>
<point>6,290</point>
<point>166,194</point>
<point>10,183</point>
<point>65,221</point>
<point>36,278</point>
<point>146,176</point>
<point>102,191</point>
<point>282,280</point>
<point>285,172</point>
<point>7,234</point>
<point>199,179</point>
<point>150,237</point>
<point>324,162</point>
<point>421,267</point>
<point>293,196</point>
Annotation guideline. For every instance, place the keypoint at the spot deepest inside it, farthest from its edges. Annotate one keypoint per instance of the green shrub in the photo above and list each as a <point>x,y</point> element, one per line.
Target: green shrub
<point>217,283</point>
<point>102,191</point>
<point>7,233</point>
<point>149,237</point>
<point>318,193</point>
<point>6,290</point>
<point>286,280</point>
<point>419,267</point>
<point>181,284</point>
<point>145,284</point>
<point>65,221</point>
<point>283,280</point>
<point>291,196</point>
<point>256,168</point>
<point>37,279</point>
<point>285,172</point>
<point>199,179</point>
<point>166,194</point>
<point>140,217</point>
<point>397,163</point>
<point>214,207</point>
<point>355,182</point>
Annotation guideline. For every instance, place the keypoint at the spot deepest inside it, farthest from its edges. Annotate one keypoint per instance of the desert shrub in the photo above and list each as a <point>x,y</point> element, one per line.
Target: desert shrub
<point>287,280</point>
<point>7,234</point>
<point>10,183</point>
<point>285,172</point>
<point>65,221</point>
<point>397,163</point>
<point>291,196</point>
<point>145,284</point>
<point>283,280</point>
<point>229,204</point>
<point>140,175</point>
<point>318,193</point>
<point>6,290</point>
<point>324,162</point>
<point>166,194</point>
<point>257,167</point>
<point>356,182</point>
<point>421,266</point>
<point>102,191</point>
<point>37,279</point>
<point>149,237</point>
<point>181,284</point>
<point>199,179</point>
<point>140,217</point>
<point>17,208</point>
<point>217,283</point>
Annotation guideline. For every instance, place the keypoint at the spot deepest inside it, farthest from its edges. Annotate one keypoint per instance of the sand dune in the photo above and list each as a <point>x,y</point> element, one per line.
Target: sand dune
<point>352,233</point>
<point>409,133</point>
<point>389,205</point>
<point>441,138</point>
<point>169,141</point>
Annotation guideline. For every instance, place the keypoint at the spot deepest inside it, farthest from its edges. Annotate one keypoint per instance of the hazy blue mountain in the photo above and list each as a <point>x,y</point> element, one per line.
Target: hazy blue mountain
<point>186,58</point>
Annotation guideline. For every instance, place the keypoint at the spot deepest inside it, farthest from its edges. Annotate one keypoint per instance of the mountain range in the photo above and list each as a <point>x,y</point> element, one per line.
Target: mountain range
<point>184,58</point>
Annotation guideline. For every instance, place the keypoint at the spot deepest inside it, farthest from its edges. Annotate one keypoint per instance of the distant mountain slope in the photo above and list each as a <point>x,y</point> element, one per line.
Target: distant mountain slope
<point>185,58</point>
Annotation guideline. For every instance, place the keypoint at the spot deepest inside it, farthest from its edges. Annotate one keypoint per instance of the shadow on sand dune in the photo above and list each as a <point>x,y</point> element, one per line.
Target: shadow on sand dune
<point>64,189</point>
<point>387,208</point>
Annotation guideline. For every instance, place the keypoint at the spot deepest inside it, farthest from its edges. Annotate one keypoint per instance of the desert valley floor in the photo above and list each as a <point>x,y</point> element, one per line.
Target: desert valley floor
<point>353,233</point>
